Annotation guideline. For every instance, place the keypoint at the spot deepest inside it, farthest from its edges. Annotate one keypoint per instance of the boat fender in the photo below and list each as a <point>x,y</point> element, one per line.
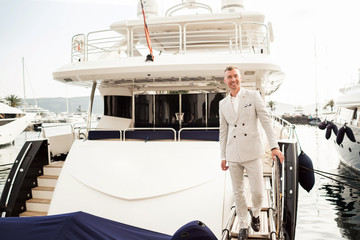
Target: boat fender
<point>328,130</point>
<point>322,125</point>
<point>306,173</point>
<point>334,128</point>
<point>195,230</point>
<point>349,133</point>
<point>340,135</point>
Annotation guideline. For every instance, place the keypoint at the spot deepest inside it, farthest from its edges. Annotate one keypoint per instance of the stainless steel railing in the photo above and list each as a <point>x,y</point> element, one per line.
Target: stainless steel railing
<point>227,36</point>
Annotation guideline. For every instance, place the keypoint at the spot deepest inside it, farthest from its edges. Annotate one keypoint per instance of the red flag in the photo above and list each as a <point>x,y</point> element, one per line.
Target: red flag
<point>147,35</point>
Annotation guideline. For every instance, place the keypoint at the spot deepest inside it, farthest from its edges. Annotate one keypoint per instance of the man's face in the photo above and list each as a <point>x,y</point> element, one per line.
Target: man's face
<point>232,79</point>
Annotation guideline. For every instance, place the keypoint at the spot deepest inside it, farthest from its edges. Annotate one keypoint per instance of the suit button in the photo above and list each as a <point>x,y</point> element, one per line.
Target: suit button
<point>245,134</point>
<point>243,124</point>
<point>234,136</point>
<point>235,125</point>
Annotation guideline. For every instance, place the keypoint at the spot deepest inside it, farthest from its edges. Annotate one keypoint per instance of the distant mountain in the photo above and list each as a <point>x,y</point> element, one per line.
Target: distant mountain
<point>58,105</point>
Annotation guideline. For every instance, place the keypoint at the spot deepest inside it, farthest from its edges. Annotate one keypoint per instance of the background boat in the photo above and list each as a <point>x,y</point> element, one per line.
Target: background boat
<point>347,116</point>
<point>13,122</point>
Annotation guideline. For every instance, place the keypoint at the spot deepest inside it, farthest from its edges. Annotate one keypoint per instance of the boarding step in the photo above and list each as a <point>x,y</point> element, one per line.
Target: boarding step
<point>264,218</point>
<point>33,214</point>
<point>38,205</point>
<point>43,192</point>
<point>262,234</point>
<point>47,181</point>
<point>53,169</point>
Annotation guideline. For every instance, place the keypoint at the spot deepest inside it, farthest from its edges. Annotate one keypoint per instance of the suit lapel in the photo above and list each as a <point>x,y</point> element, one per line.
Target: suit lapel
<point>229,110</point>
<point>243,96</point>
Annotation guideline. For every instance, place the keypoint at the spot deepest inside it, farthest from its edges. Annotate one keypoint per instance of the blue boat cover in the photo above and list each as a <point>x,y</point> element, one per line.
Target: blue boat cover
<point>84,226</point>
<point>72,226</point>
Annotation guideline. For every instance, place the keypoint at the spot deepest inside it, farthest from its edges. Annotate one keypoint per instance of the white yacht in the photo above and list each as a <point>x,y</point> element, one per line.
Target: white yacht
<point>348,116</point>
<point>13,122</point>
<point>153,160</point>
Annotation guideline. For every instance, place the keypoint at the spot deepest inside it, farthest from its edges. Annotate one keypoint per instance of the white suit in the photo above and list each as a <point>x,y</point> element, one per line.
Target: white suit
<point>242,148</point>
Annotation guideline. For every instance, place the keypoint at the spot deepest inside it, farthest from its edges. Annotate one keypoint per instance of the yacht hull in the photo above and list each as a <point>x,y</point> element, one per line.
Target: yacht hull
<point>349,151</point>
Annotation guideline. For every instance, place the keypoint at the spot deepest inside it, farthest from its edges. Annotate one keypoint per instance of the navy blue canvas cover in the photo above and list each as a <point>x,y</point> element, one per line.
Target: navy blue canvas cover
<point>306,172</point>
<point>72,226</point>
<point>194,230</point>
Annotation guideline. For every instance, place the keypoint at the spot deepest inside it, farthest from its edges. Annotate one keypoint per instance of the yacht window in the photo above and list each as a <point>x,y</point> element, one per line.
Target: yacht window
<point>166,111</point>
<point>193,108</point>
<point>144,112</point>
<point>213,108</point>
<point>117,106</point>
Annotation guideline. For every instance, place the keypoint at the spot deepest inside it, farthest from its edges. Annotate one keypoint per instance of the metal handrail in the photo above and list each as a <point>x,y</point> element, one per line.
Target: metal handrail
<point>183,5</point>
<point>213,33</point>
<point>138,35</point>
<point>226,230</point>
<point>154,129</point>
<point>262,34</point>
<point>286,125</point>
<point>232,38</point>
<point>3,214</point>
<point>196,128</point>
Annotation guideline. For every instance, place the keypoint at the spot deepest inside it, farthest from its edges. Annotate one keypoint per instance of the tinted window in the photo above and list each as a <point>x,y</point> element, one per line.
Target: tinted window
<point>193,107</point>
<point>144,114</point>
<point>213,108</point>
<point>166,107</point>
<point>117,106</point>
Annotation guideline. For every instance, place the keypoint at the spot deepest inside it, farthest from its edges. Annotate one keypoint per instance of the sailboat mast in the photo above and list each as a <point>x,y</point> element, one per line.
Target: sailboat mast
<point>23,71</point>
<point>316,83</point>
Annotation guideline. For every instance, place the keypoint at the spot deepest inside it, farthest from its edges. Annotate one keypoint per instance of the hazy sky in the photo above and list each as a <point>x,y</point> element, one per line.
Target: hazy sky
<point>41,32</point>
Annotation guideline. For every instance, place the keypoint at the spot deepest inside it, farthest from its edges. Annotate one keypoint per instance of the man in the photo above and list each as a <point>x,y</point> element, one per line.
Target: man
<point>241,146</point>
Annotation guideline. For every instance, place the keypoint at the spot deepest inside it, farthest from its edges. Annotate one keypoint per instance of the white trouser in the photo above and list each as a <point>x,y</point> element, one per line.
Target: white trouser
<point>254,169</point>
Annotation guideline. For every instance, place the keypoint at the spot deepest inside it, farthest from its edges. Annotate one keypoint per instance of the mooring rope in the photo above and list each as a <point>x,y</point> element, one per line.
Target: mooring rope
<point>322,173</point>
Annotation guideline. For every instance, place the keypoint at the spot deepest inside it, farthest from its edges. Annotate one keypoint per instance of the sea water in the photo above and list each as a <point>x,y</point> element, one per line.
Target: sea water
<point>331,210</point>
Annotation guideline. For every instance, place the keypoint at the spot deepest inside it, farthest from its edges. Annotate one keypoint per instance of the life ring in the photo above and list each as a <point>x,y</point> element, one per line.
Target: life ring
<point>78,45</point>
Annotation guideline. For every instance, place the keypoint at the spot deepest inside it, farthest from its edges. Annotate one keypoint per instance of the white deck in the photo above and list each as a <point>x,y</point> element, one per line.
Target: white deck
<point>155,185</point>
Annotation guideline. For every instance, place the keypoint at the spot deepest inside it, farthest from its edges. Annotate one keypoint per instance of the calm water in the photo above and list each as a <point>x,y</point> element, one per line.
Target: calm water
<point>330,211</point>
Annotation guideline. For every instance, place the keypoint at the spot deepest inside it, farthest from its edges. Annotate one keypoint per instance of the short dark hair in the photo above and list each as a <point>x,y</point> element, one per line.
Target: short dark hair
<point>230,68</point>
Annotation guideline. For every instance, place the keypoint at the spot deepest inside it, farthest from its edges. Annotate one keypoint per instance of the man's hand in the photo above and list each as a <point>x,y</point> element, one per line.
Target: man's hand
<point>223,165</point>
<point>278,153</point>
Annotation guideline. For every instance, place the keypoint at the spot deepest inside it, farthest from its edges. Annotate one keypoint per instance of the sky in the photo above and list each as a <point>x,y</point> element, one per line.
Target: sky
<point>317,43</point>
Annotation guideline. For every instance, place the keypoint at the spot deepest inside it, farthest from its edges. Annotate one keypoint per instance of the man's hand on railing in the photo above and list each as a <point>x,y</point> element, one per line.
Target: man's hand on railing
<point>276,152</point>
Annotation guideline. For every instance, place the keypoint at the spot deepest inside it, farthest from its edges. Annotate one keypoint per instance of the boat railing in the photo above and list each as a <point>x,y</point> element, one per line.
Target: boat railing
<point>22,177</point>
<point>173,39</point>
<point>254,38</point>
<point>163,42</point>
<point>219,35</point>
<point>287,128</point>
<point>149,134</point>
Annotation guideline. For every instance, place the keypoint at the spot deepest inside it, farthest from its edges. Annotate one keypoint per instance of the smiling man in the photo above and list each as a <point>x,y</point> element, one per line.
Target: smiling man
<point>241,146</point>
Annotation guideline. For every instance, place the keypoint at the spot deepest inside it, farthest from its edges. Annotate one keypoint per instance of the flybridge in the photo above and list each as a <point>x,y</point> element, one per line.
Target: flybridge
<point>216,33</point>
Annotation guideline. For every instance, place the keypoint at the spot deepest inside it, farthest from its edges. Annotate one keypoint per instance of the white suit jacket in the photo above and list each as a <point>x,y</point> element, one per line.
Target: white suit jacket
<point>239,133</point>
